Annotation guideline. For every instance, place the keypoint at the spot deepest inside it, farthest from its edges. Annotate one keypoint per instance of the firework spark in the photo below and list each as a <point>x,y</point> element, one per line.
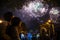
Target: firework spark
<point>54,14</point>
<point>36,9</point>
<point>54,11</point>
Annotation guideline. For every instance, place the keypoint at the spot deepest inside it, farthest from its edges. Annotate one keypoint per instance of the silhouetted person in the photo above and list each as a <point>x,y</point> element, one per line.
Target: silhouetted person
<point>12,30</point>
<point>22,28</point>
<point>34,37</point>
<point>43,37</point>
<point>7,17</point>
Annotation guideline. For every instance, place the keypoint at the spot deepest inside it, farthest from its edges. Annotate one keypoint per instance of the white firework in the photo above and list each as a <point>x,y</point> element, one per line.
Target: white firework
<point>54,14</point>
<point>36,9</point>
<point>54,11</point>
<point>33,9</point>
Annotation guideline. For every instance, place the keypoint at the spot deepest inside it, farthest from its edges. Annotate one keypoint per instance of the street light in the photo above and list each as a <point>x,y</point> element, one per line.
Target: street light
<point>1,21</point>
<point>49,21</point>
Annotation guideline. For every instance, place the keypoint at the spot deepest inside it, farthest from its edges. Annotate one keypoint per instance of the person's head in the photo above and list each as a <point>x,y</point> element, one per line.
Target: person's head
<point>15,21</point>
<point>8,16</point>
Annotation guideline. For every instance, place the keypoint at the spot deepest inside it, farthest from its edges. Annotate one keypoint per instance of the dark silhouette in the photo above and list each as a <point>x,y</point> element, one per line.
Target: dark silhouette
<point>12,30</point>
<point>8,16</point>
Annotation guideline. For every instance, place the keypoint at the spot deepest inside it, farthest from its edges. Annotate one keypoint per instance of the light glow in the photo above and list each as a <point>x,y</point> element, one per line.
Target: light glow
<point>49,21</point>
<point>1,21</point>
<point>35,9</point>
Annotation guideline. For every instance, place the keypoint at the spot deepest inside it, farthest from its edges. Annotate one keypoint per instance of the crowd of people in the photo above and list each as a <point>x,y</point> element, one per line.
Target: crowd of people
<point>13,27</point>
<point>12,31</point>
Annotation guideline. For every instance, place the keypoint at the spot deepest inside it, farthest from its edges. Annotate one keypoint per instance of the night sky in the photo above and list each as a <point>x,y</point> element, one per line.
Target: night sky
<point>9,5</point>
